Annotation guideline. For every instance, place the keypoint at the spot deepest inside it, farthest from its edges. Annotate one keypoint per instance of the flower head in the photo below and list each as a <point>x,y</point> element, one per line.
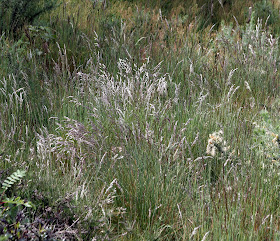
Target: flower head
<point>216,143</point>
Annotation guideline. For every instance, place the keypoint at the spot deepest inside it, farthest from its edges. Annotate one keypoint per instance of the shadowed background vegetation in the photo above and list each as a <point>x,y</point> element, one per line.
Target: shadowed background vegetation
<point>139,120</point>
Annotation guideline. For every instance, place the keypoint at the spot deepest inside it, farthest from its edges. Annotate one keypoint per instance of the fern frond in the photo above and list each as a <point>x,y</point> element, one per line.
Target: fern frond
<point>18,201</point>
<point>12,179</point>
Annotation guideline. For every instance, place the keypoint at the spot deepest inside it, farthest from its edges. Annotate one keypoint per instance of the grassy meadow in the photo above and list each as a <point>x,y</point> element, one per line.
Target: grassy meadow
<point>128,120</point>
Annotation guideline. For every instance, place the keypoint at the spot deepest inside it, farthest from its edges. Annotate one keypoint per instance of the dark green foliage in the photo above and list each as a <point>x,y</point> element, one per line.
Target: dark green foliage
<point>15,13</point>
<point>11,209</point>
<point>17,221</point>
<point>265,11</point>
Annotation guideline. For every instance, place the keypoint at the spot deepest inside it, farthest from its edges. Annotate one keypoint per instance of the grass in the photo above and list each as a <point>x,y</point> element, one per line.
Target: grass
<point>112,123</point>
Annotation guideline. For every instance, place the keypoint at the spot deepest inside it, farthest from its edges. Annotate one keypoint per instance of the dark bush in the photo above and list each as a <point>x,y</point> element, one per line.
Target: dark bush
<point>14,14</point>
<point>264,10</point>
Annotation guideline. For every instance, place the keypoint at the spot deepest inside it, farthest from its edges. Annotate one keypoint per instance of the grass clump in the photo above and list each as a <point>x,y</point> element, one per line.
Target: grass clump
<point>143,128</point>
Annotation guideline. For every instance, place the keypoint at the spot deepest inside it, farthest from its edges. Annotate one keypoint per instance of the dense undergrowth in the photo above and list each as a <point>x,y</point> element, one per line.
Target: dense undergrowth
<point>137,124</point>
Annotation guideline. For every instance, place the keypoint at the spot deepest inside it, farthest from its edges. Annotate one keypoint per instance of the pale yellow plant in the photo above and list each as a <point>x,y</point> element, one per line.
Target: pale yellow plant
<point>216,143</point>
